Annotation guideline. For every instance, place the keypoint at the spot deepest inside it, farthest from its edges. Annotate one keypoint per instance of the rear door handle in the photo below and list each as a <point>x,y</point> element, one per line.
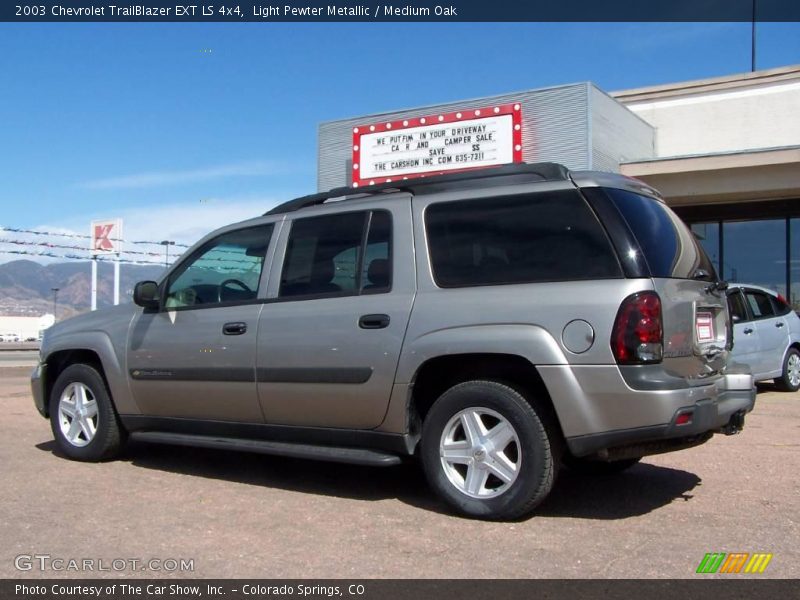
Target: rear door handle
<point>747,331</point>
<point>374,321</point>
<point>779,324</point>
<point>237,328</point>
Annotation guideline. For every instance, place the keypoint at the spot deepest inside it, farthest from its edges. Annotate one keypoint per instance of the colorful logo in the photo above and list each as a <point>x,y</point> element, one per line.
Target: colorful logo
<point>735,562</point>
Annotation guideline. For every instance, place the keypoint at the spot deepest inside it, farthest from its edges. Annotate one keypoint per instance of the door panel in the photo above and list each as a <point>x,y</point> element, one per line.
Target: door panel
<point>181,364</point>
<point>195,358</point>
<point>330,342</point>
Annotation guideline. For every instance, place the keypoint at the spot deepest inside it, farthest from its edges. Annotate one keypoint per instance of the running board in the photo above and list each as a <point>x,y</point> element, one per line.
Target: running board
<point>354,456</point>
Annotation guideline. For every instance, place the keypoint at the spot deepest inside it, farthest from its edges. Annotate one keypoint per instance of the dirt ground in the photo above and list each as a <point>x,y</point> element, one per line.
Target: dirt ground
<point>254,516</point>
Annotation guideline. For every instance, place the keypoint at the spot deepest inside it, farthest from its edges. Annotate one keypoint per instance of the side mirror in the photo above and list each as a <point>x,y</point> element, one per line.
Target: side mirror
<point>145,294</point>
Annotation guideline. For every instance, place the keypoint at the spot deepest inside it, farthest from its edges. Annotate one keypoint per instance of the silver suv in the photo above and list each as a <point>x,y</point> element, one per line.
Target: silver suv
<point>497,324</point>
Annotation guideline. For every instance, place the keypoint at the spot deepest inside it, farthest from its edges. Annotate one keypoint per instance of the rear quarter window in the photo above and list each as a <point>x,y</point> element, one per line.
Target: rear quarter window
<point>669,247</point>
<point>551,236</point>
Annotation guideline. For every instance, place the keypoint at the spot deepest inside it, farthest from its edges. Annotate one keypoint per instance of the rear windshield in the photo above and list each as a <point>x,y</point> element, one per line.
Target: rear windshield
<point>551,236</point>
<point>669,247</point>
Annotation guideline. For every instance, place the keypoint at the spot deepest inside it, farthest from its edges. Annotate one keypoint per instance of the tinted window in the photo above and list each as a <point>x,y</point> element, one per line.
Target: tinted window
<point>670,249</point>
<point>376,274</point>
<point>226,269</point>
<point>760,304</point>
<point>539,237</point>
<point>736,306</point>
<point>326,255</point>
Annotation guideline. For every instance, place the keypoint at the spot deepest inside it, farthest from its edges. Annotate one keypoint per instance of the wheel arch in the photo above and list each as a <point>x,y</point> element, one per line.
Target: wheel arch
<point>440,373</point>
<point>96,351</point>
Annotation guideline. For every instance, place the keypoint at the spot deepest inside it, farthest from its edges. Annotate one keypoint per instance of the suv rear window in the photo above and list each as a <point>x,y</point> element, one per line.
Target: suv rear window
<point>551,236</point>
<point>669,247</point>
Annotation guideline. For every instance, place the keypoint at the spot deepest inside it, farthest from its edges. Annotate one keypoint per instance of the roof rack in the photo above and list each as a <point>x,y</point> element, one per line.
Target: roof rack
<point>546,171</point>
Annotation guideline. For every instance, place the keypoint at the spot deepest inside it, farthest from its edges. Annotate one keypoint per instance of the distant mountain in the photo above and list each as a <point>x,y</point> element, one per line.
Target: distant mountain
<point>26,286</point>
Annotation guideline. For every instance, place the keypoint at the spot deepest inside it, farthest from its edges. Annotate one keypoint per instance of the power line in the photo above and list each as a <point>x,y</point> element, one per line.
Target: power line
<point>64,246</point>
<point>80,236</point>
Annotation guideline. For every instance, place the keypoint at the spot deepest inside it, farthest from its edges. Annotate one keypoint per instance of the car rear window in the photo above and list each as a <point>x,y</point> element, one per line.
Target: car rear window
<point>552,236</point>
<point>669,247</point>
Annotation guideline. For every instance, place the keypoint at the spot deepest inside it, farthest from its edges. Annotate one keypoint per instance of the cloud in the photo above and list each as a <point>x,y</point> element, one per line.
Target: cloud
<point>166,178</point>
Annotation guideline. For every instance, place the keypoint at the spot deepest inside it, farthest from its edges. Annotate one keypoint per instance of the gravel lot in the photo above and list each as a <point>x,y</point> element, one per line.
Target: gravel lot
<point>253,516</point>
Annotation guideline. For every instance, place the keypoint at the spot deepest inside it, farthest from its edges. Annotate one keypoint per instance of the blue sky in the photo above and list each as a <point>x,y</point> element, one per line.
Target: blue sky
<point>143,121</point>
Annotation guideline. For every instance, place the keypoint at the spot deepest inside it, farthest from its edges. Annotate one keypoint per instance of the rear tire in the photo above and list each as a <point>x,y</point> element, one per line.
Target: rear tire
<point>82,417</point>
<point>599,467</point>
<point>789,381</point>
<point>486,451</point>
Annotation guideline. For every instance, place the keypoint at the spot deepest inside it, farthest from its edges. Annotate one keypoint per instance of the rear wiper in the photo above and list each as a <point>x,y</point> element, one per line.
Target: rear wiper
<point>718,285</point>
<point>702,274</point>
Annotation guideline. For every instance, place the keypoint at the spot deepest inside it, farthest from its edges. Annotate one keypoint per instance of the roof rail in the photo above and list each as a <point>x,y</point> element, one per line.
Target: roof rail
<point>546,171</point>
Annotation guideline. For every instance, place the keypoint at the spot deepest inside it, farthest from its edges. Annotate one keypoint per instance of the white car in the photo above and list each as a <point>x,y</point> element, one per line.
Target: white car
<point>766,334</point>
<point>9,337</point>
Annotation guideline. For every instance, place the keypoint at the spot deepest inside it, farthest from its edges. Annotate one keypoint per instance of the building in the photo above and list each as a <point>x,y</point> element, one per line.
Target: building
<point>24,328</point>
<point>724,152</point>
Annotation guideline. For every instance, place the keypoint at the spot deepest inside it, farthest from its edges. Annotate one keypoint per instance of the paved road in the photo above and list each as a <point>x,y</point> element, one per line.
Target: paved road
<point>19,358</point>
<point>241,515</point>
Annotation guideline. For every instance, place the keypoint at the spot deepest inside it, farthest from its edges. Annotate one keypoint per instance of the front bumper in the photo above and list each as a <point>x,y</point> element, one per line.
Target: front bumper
<point>687,417</point>
<point>38,388</point>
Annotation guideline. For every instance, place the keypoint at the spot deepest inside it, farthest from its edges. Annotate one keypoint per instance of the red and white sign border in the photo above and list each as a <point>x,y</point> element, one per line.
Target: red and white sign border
<point>514,109</point>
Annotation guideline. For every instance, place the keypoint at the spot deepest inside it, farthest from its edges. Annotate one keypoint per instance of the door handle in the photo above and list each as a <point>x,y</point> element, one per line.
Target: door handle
<point>374,321</point>
<point>747,331</point>
<point>234,328</point>
<point>779,324</point>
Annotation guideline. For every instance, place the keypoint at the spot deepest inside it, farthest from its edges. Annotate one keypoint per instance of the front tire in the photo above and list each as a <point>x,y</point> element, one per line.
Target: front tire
<point>486,451</point>
<point>789,381</point>
<point>83,420</point>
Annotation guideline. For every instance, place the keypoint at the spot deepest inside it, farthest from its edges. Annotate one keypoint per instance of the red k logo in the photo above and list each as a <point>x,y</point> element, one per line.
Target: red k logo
<point>101,237</point>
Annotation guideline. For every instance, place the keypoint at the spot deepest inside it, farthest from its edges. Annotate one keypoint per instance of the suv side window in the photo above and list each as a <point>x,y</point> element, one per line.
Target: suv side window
<point>551,236</point>
<point>224,270</point>
<point>760,304</point>
<point>338,255</point>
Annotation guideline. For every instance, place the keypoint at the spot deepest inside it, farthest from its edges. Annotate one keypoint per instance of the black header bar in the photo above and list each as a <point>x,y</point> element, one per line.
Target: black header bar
<point>153,11</point>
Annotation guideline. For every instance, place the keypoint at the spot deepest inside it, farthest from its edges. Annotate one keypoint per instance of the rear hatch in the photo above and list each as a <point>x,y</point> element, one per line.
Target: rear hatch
<point>696,327</point>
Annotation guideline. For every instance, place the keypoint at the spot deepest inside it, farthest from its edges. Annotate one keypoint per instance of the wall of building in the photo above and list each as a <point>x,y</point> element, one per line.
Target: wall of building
<point>731,114</point>
<point>24,327</point>
<point>576,125</point>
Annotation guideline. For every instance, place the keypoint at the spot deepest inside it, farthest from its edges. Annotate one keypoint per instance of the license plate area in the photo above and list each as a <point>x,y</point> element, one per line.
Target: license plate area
<point>704,327</point>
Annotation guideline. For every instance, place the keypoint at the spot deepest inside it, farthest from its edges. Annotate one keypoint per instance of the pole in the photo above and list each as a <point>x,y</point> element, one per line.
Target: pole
<point>167,244</point>
<point>753,40</point>
<point>94,283</point>
<point>116,281</point>
<point>55,302</point>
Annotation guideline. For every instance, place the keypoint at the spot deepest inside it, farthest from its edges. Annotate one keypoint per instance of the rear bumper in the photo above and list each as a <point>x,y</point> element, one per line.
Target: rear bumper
<point>38,389</point>
<point>681,417</point>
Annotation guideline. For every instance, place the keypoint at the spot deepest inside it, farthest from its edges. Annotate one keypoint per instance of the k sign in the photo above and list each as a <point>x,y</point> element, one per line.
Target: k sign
<point>107,237</point>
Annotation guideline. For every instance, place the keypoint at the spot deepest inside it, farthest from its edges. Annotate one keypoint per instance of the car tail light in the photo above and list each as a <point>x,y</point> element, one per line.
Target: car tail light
<point>638,334</point>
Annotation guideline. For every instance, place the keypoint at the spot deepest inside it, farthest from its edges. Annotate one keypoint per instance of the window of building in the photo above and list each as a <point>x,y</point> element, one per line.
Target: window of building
<point>326,255</point>
<point>708,236</point>
<point>224,270</point>
<point>755,252</point>
<point>551,236</point>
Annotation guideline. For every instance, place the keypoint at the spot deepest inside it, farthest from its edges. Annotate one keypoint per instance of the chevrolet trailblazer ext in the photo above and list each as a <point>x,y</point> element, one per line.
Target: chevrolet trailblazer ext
<point>496,323</point>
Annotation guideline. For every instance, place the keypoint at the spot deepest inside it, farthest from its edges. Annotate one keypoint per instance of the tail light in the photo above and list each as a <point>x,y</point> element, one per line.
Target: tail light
<point>638,334</point>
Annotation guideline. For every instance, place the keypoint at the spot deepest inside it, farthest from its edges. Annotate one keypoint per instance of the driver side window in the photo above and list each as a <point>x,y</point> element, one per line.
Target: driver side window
<point>224,270</point>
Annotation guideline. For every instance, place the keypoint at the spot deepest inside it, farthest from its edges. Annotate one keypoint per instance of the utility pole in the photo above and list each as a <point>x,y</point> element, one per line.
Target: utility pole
<point>55,301</point>
<point>753,40</point>
<point>167,244</point>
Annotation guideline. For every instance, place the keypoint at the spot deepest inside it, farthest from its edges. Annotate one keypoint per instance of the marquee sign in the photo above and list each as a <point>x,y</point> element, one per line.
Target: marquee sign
<point>446,142</point>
